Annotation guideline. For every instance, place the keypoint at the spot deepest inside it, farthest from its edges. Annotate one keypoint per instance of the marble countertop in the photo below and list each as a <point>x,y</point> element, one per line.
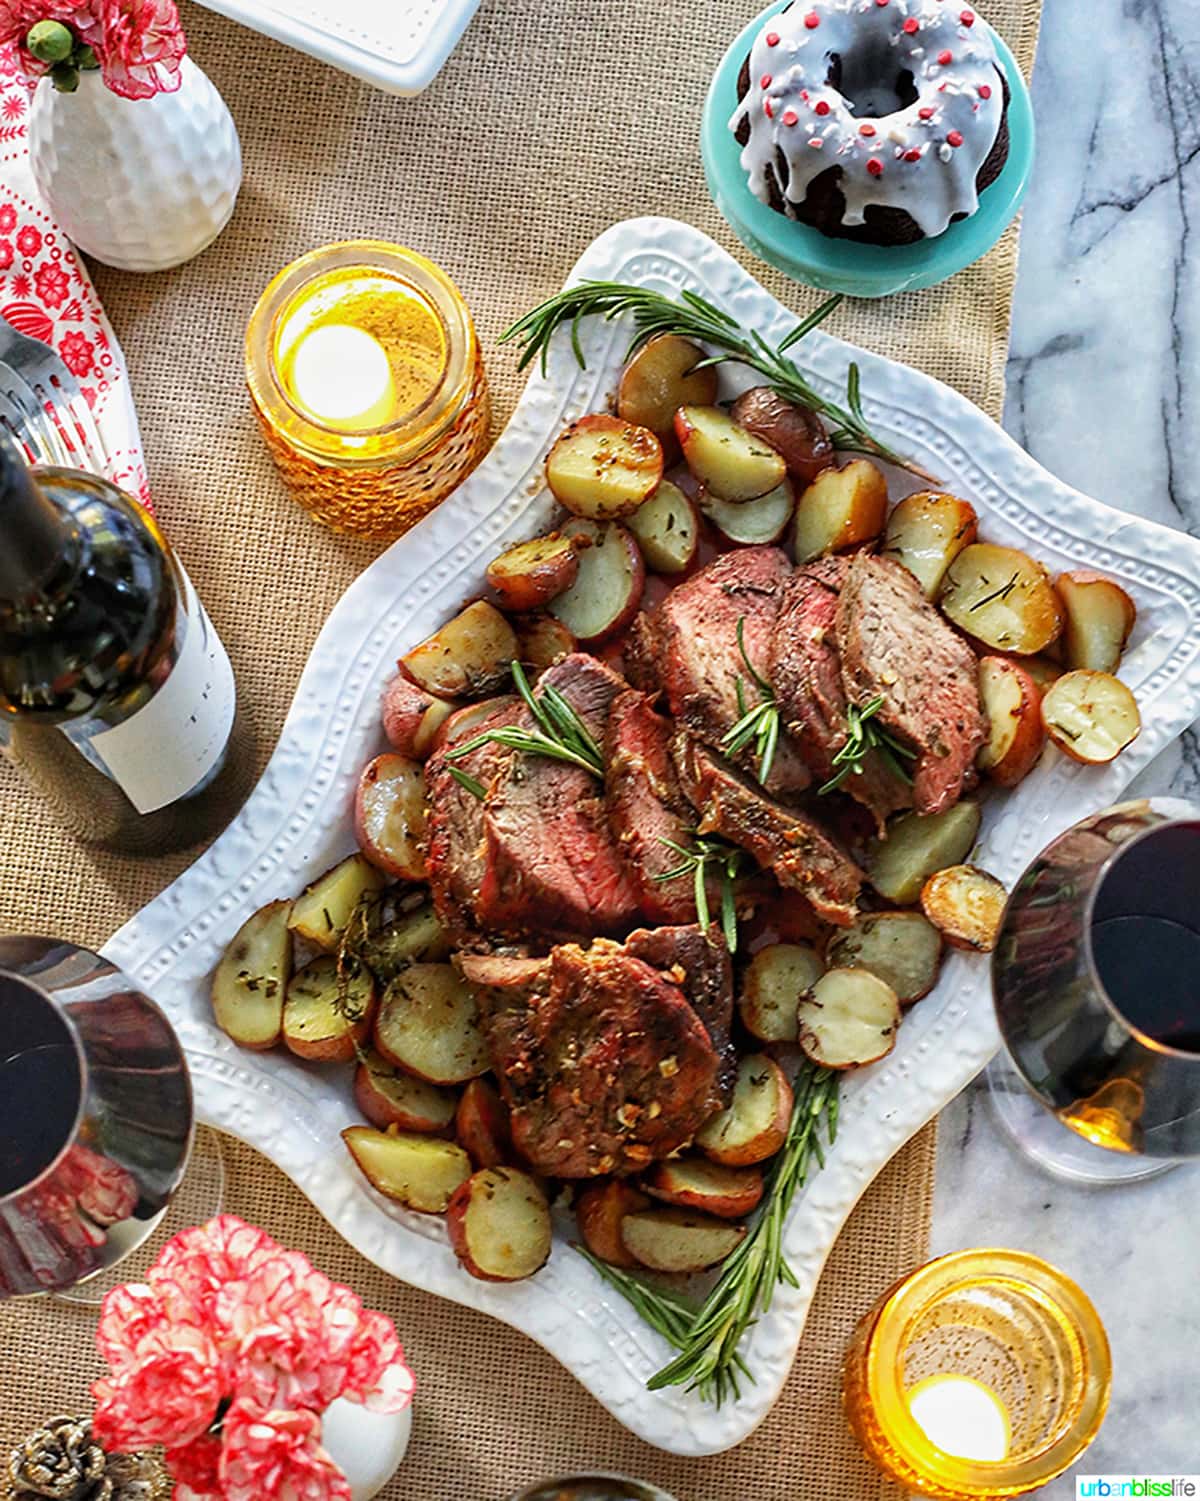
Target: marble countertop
<point>1104,389</point>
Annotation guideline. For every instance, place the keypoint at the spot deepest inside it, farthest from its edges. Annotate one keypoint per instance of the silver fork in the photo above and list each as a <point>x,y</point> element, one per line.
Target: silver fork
<point>43,406</point>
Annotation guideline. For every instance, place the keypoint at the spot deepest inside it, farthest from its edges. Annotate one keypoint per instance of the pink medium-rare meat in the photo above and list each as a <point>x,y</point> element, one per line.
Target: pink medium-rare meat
<point>893,644</point>
<point>688,647</point>
<point>791,844</point>
<point>806,674</point>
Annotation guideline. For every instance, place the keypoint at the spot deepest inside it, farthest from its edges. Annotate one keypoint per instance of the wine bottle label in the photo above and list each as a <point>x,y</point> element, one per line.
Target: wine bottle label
<point>176,741</point>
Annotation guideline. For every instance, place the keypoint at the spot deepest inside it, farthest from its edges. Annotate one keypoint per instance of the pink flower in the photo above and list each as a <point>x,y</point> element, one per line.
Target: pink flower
<point>194,1467</point>
<point>196,1264</point>
<point>17,16</point>
<point>165,1392</point>
<point>78,352</point>
<point>142,47</point>
<point>378,1376</point>
<point>277,1454</point>
<point>29,240</point>
<point>129,1314</point>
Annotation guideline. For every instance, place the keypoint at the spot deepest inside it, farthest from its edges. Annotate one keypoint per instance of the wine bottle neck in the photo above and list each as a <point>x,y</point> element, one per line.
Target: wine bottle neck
<point>39,541</point>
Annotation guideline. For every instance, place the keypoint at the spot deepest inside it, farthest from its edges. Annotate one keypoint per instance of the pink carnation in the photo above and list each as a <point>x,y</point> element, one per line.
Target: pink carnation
<point>17,16</point>
<point>166,1392</point>
<point>195,1468</point>
<point>277,1454</point>
<point>142,47</point>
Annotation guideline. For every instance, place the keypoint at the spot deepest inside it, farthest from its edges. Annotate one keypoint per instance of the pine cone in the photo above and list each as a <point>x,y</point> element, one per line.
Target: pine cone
<point>61,1461</point>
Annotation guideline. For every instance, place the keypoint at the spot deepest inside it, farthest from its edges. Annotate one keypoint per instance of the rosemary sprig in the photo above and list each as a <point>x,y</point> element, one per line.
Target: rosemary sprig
<point>664,1311</point>
<point>758,724</point>
<point>706,854</point>
<point>864,735</point>
<point>708,1360</point>
<point>693,317</point>
<point>560,734</point>
<point>1001,593</point>
<point>472,784</point>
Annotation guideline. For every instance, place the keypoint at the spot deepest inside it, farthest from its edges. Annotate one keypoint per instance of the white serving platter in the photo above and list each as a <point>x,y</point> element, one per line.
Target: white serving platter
<point>397,45</point>
<point>298,822</point>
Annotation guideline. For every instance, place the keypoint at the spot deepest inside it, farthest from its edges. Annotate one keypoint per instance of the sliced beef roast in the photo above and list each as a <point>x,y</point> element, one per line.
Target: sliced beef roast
<point>551,863</point>
<point>790,843</point>
<point>699,962</point>
<point>894,643</point>
<point>603,1061</point>
<point>689,648</point>
<point>806,673</point>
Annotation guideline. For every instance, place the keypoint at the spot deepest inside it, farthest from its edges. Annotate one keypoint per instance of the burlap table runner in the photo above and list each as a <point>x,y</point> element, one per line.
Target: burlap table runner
<point>553,119</point>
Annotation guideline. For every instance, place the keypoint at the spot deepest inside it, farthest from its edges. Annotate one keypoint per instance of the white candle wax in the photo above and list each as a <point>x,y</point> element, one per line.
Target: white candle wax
<point>961,1416</point>
<point>342,375</point>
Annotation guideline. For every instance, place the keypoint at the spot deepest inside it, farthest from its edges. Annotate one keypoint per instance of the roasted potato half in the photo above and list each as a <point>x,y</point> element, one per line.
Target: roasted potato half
<point>966,905</point>
<point>603,467</point>
<point>428,1025</point>
<point>542,640</point>
<point>730,1193</point>
<point>793,430</point>
<point>661,378</point>
<point>320,913</point>
<point>482,1125</point>
<point>499,1224</point>
<point>918,844</point>
<point>531,574</point>
<point>249,983</point>
<point>926,532</point>
<point>327,1014</point>
<point>1090,716</point>
<point>1012,707</point>
<point>754,1125</point>
<point>728,461</point>
<point>389,1097</point>
<point>903,949</point>
<point>1100,617</point>
<point>607,592</point>
<point>412,716</point>
<point>667,529</point>
<point>752,522</point>
<point>599,1212</point>
<point>850,1019</point>
<point>420,1172</point>
<point>775,979</point>
<point>1003,598</point>
<point>678,1240</point>
<point>470,656</point>
<point>842,508</point>
<point>463,723</point>
<point>389,815</point>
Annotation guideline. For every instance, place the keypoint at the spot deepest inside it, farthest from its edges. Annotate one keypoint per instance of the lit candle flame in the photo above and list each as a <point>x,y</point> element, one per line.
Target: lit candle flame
<point>961,1416</point>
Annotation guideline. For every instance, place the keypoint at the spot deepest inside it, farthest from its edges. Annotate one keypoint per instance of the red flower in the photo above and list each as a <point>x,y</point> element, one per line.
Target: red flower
<point>277,1454</point>
<point>52,283</point>
<point>194,1467</point>
<point>17,16</point>
<point>29,239</point>
<point>77,351</point>
<point>142,48</point>
<point>165,1390</point>
<point>8,218</point>
<point>6,254</point>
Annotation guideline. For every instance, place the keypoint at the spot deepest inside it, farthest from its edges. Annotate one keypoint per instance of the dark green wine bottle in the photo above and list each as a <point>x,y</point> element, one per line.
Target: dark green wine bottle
<point>117,700</point>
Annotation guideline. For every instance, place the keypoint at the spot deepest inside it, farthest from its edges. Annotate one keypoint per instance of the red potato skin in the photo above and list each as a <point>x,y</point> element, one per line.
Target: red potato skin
<point>796,431</point>
<point>456,1228</point>
<point>530,582</point>
<point>599,1210</point>
<point>403,712</point>
<point>462,721</point>
<point>658,1185</point>
<point>482,1126</point>
<point>340,1049</point>
<point>1029,738</point>
<point>633,602</point>
<point>373,773</point>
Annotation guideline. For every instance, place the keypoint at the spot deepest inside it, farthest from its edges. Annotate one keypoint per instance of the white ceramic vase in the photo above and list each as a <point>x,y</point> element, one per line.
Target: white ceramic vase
<point>366,1445</point>
<point>141,184</point>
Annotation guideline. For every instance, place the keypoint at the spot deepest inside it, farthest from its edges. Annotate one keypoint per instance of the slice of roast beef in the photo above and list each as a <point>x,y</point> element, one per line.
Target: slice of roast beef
<point>689,647</point>
<point>551,864</point>
<point>791,844</point>
<point>700,963</point>
<point>604,1063</point>
<point>454,841</point>
<point>894,643</point>
<point>806,673</point>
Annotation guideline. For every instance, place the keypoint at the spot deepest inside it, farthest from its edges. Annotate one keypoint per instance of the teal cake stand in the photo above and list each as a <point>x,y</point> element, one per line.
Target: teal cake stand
<point>844,265</point>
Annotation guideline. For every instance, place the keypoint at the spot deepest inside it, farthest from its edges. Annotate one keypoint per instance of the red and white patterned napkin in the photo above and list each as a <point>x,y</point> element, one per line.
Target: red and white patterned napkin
<point>45,290</point>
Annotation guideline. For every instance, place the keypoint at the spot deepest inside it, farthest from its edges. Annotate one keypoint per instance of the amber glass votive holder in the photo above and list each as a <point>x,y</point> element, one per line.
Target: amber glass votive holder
<point>998,1354</point>
<point>365,373</point>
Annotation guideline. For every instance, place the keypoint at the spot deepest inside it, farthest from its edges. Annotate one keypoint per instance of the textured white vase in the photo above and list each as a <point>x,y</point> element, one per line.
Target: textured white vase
<point>141,184</point>
<point>366,1445</point>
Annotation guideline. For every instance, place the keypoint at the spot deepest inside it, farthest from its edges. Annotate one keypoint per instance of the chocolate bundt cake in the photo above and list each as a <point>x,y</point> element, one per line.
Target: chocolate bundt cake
<point>873,120</point>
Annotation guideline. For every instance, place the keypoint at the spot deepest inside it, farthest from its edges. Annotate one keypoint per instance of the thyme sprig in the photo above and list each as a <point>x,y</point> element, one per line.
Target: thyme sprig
<point>560,734</point>
<point>758,724</point>
<point>693,317</point>
<point>708,1339</point>
<point>864,735</point>
<point>709,854</point>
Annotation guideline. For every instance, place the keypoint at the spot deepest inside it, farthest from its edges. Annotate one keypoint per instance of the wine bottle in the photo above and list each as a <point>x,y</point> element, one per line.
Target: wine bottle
<point>117,699</point>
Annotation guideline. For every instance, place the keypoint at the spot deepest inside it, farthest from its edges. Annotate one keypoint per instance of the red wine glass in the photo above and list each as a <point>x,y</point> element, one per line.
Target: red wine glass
<point>1096,980</point>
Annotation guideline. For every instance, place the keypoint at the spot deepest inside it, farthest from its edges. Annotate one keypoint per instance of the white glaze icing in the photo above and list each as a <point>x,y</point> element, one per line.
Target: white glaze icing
<point>923,158</point>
